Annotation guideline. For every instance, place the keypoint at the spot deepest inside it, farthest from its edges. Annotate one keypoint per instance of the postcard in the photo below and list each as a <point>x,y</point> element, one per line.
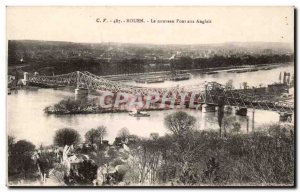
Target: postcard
<point>150,96</point>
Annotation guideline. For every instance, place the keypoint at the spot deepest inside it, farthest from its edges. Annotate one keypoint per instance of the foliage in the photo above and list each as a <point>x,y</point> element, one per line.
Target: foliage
<point>220,115</point>
<point>20,163</point>
<point>85,174</point>
<point>123,133</point>
<point>10,143</point>
<point>180,123</point>
<point>236,127</point>
<point>188,176</point>
<point>229,84</point>
<point>66,136</point>
<point>230,124</point>
<point>184,157</point>
<point>64,57</point>
<point>72,106</point>
<point>95,136</point>
<point>147,156</point>
<point>245,85</point>
<point>46,161</point>
<point>258,157</point>
<point>210,174</point>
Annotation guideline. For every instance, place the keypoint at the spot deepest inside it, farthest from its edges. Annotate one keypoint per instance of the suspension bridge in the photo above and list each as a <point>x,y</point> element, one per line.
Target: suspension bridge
<point>209,93</point>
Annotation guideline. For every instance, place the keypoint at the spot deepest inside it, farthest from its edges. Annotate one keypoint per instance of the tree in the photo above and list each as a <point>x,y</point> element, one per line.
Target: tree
<point>95,136</point>
<point>229,84</point>
<point>145,161</point>
<point>123,133</point>
<point>45,161</point>
<point>180,123</point>
<point>227,123</point>
<point>66,136</point>
<point>92,136</point>
<point>23,147</point>
<point>245,85</point>
<point>220,113</point>
<point>236,127</point>
<point>280,77</point>
<point>10,143</point>
<point>85,175</point>
<point>102,131</point>
<point>20,159</point>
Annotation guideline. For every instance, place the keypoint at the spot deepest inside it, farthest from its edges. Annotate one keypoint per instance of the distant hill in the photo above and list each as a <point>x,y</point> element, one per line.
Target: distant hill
<point>105,58</point>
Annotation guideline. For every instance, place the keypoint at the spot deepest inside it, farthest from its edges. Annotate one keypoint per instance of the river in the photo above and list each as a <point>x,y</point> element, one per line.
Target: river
<point>26,119</point>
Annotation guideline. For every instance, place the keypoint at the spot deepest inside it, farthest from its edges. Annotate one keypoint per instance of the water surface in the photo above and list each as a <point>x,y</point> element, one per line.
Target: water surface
<point>26,119</point>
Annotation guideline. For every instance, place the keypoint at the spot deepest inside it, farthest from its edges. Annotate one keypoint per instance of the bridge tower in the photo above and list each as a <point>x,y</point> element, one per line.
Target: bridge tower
<point>80,92</point>
<point>206,107</point>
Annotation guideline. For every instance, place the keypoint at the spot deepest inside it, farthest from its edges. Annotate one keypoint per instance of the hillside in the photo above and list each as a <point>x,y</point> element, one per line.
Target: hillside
<point>48,57</point>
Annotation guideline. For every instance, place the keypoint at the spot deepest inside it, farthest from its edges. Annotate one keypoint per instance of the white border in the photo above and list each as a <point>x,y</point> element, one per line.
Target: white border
<point>3,60</point>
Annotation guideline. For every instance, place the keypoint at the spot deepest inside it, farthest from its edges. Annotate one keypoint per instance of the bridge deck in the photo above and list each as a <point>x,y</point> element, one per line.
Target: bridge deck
<point>211,92</point>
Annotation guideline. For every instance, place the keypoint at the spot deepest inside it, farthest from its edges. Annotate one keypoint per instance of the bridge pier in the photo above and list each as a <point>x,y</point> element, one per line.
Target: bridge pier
<point>208,108</point>
<point>285,117</point>
<point>81,93</point>
<point>25,78</point>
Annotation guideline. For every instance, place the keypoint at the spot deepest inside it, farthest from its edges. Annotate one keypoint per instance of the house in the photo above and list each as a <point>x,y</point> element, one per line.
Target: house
<point>74,162</point>
<point>11,78</point>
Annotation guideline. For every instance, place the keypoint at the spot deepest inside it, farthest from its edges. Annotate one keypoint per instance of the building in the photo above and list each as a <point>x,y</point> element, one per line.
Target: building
<point>277,88</point>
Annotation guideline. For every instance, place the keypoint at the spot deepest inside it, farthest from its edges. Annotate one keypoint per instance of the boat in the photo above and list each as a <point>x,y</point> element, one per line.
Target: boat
<point>148,81</point>
<point>139,113</point>
<point>180,77</point>
<point>160,80</point>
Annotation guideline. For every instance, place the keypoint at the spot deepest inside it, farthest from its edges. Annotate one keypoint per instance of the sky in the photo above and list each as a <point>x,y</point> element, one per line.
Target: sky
<point>78,24</point>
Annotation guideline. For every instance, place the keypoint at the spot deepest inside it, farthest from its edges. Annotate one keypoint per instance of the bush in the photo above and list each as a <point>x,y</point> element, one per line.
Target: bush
<point>260,157</point>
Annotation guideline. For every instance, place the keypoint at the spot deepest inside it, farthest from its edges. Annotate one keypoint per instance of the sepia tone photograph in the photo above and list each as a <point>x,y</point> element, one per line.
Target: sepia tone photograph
<point>150,96</point>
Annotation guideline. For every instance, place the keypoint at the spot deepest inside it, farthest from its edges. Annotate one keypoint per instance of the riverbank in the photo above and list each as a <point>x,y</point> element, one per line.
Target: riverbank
<point>160,74</point>
<point>71,107</point>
